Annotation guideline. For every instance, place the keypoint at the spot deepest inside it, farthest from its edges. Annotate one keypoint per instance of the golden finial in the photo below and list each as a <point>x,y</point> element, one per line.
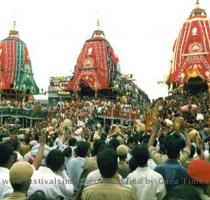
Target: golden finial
<point>14,26</point>
<point>13,31</point>
<point>197,10</point>
<point>98,31</point>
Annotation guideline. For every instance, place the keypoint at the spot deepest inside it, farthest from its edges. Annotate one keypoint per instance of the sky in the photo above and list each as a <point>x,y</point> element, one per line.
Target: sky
<point>142,34</point>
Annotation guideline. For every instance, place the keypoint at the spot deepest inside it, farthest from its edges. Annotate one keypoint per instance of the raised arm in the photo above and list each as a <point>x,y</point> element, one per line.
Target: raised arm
<point>187,138</point>
<point>155,130</point>
<point>185,153</point>
<point>40,153</point>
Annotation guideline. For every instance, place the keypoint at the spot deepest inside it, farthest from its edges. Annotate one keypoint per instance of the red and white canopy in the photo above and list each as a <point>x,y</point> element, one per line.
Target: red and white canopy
<point>96,65</point>
<point>191,52</point>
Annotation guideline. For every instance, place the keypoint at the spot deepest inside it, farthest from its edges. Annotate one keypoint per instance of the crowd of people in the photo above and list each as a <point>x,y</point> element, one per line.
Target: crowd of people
<point>71,155</point>
<point>119,108</point>
<point>15,104</point>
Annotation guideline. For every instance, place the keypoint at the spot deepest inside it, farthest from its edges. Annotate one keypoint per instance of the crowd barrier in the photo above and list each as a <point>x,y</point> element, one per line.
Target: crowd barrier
<point>18,112</point>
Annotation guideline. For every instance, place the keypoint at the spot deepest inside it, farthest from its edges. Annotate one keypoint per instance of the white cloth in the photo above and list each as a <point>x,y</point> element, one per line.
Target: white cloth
<point>93,177</point>
<point>206,154</point>
<point>51,184</point>
<point>80,123</point>
<point>99,110</point>
<point>35,149</point>
<point>19,156</point>
<point>147,184</point>
<point>5,186</point>
<point>151,164</point>
<point>129,156</point>
<point>74,169</point>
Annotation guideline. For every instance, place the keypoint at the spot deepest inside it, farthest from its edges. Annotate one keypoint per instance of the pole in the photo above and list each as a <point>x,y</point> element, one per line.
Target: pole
<point>104,121</point>
<point>112,116</point>
<point>31,123</point>
<point>96,93</point>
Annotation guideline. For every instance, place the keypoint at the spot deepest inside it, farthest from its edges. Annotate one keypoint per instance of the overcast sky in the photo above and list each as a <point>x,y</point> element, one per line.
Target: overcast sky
<point>142,34</point>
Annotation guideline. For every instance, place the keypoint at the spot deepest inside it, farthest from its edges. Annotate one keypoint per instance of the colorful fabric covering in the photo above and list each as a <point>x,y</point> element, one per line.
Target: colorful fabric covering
<point>191,52</point>
<point>15,66</point>
<point>96,67</point>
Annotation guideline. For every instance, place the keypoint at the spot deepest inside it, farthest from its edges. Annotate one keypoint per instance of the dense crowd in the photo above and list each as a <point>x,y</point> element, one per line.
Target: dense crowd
<point>71,155</point>
<point>120,108</point>
<point>15,104</point>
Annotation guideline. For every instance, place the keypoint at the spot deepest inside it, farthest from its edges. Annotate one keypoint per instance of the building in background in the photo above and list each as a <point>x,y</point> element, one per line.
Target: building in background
<point>57,89</point>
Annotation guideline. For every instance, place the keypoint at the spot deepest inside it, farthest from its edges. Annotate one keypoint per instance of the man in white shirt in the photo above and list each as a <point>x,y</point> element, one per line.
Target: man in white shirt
<point>75,166</point>
<point>146,183</point>
<point>52,179</point>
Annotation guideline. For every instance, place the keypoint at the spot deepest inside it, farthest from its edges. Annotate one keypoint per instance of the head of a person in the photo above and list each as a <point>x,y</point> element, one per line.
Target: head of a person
<point>122,151</point>
<point>162,149</point>
<point>27,139</point>
<point>103,136</point>
<point>114,142</point>
<point>182,192</point>
<point>173,147</point>
<point>20,176</point>
<point>132,142</point>
<point>7,155</point>
<point>198,170</point>
<point>103,146</point>
<point>180,140</point>
<point>38,195</point>
<point>145,140</point>
<point>67,152</point>
<point>15,143</point>
<point>96,146</point>
<point>55,160</point>
<point>132,164</point>
<point>82,149</point>
<point>141,154</point>
<point>72,142</point>
<point>107,162</point>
